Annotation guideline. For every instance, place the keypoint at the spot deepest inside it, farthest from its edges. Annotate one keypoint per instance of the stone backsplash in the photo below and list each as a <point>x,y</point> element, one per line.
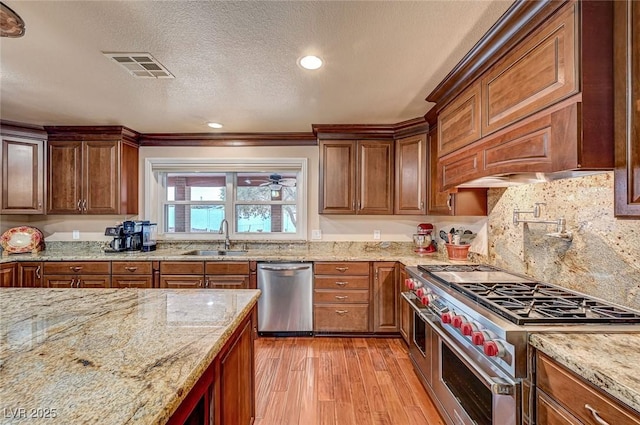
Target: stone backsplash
<point>602,260</point>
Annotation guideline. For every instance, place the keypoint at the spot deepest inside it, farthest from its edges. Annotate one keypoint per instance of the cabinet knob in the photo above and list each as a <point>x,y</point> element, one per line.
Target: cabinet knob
<point>342,269</point>
<point>341,283</point>
<point>341,312</point>
<point>75,268</point>
<point>131,269</point>
<point>341,297</point>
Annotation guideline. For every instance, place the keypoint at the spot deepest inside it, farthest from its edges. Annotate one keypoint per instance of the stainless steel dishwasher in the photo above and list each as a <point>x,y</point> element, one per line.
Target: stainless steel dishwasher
<point>285,307</point>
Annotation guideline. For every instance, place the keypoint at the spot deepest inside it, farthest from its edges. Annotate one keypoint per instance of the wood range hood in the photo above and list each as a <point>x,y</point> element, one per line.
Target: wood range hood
<point>532,101</point>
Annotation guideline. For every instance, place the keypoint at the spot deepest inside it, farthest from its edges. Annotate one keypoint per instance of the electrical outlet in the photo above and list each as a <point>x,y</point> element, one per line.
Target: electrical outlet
<point>376,235</point>
<point>316,234</point>
<point>75,234</point>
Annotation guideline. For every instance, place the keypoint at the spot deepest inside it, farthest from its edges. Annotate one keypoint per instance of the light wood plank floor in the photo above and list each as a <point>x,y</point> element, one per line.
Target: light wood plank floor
<point>338,381</point>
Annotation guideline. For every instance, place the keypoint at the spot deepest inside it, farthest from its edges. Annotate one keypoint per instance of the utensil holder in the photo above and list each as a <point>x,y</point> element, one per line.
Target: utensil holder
<point>457,252</point>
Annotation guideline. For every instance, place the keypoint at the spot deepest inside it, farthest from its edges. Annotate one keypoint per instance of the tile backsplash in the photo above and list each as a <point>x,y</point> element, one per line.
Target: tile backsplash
<point>602,260</point>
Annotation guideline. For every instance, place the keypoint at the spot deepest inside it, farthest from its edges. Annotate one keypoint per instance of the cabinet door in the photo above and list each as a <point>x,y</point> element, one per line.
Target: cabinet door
<point>30,275</point>
<point>627,108</point>
<point>7,275</point>
<point>101,177</point>
<point>459,122</point>
<point>375,177</point>
<point>438,202</point>
<point>181,281</point>
<point>337,177</point>
<point>237,385</point>
<point>64,183</point>
<point>22,176</point>
<point>131,281</point>
<point>411,175</point>
<point>385,297</point>
<point>94,281</point>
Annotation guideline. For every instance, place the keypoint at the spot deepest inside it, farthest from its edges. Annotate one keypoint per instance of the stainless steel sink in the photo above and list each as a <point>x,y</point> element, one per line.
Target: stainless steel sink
<point>215,252</point>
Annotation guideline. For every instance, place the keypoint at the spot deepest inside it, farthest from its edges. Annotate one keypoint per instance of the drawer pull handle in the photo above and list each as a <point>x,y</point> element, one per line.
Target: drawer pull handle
<point>341,297</point>
<point>75,268</point>
<point>341,283</point>
<point>38,272</point>
<point>131,269</point>
<point>595,415</point>
<point>341,312</point>
<point>342,269</point>
<point>73,281</point>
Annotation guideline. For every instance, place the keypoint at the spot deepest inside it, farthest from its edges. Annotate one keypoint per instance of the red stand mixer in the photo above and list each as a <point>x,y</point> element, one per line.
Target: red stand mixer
<point>423,239</point>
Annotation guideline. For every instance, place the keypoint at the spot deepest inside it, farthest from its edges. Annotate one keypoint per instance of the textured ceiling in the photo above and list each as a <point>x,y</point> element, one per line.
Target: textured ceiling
<point>234,62</point>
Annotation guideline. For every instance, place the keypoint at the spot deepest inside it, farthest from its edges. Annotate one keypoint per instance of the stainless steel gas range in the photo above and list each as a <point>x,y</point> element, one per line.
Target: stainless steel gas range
<point>470,330</point>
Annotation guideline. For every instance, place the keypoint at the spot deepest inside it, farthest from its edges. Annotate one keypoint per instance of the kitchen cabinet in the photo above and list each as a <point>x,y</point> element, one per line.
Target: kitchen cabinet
<point>406,313</point>
<point>182,274</point>
<point>565,398</point>
<point>131,274</point>
<point>77,274</point>
<point>23,169</point>
<point>341,296</point>
<point>92,172</point>
<point>7,275</point>
<point>227,274</point>
<point>386,293</point>
<point>627,108</point>
<point>30,274</point>
<point>543,97</point>
<point>200,274</point>
<point>456,202</point>
<point>225,393</point>
<point>411,175</point>
<point>356,177</point>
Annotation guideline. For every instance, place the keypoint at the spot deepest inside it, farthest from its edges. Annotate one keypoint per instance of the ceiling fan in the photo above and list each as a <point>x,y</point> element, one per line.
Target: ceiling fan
<point>276,181</point>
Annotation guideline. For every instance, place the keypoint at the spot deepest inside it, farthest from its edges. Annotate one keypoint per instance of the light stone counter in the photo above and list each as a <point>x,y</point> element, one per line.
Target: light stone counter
<point>109,356</point>
<point>609,361</point>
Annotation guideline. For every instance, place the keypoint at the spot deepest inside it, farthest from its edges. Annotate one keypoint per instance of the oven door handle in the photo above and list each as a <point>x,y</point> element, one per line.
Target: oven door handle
<point>496,385</point>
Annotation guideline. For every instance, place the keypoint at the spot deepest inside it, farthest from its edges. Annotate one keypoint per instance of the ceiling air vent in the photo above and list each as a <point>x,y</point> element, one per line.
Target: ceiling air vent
<point>140,65</point>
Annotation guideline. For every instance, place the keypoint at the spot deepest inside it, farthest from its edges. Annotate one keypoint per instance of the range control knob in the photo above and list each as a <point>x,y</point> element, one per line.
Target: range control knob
<point>493,349</point>
<point>458,321</point>
<point>478,337</point>
<point>425,299</point>
<point>408,282</point>
<point>445,318</point>
<point>468,328</point>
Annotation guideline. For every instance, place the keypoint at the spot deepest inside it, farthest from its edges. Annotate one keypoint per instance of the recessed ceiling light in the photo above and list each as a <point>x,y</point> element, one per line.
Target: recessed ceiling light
<point>214,125</point>
<point>310,62</point>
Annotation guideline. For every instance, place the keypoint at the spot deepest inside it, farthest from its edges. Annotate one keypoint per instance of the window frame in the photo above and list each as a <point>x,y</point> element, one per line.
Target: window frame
<point>154,196</point>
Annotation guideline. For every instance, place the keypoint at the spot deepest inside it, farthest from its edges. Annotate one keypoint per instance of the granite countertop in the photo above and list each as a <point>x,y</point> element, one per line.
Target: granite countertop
<point>340,251</point>
<point>110,356</point>
<point>611,362</point>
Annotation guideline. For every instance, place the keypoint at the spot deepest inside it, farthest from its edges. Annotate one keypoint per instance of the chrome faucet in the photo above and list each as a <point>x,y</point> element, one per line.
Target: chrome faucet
<point>224,228</point>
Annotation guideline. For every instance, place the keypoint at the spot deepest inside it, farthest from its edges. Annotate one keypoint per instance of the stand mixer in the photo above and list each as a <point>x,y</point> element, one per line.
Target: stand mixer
<point>423,240</point>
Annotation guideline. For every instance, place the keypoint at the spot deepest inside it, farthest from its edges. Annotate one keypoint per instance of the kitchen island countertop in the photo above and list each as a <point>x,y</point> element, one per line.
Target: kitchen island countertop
<point>611,361</point>
<point>110,356</point>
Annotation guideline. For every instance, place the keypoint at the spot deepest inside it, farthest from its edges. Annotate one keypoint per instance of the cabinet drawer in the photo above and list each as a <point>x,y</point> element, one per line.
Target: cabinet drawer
<point>337,282</point>
<point>346,268</point>
<point>131,281</point>
<point>226,267</point>
<point>328,297</point>
<point>227,281</point>
<point>341,318</point>
<point>574,394</point>
<point>131,267</point>
<point>182,267</point>
<point>84,267</point>
<point>535,75</point>
<point>77,281</point>
<point>181,281</point>
<point>548,412</point>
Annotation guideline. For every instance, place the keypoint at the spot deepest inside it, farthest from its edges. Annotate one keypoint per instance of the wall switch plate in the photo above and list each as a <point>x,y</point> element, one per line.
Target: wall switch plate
<point>376,235</point>
<point>316,234</point>
<point>75,234</point>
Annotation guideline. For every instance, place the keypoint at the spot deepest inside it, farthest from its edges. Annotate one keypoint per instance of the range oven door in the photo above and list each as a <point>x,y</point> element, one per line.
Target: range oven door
<point>470,389</point>
<point>420,347</point>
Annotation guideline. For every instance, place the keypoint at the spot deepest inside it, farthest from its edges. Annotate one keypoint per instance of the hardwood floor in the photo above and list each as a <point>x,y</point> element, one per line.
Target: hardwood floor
<point>338,381</point>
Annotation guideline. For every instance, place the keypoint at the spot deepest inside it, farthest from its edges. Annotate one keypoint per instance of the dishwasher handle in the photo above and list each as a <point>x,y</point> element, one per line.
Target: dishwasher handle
<point>284,269</point>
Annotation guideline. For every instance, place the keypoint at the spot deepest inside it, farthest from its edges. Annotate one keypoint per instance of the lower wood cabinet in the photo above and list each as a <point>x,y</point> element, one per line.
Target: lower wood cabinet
<point>30,274</point>
<point>77,274</point>
<point>405,308</point>
<point>131,274</point>
<point>209,274</point>
<point>7,275</point>
<point>386,295</point>
<point>227,275</point>
<point>565,398</point>
<point>225,393</point>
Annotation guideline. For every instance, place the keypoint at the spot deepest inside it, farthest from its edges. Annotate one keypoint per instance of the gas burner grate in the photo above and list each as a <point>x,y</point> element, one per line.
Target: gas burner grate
<point>435,268</point>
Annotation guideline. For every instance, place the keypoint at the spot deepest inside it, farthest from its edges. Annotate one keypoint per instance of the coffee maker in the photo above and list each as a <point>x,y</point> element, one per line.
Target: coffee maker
<point>423,240</point>
<point>126,236</point>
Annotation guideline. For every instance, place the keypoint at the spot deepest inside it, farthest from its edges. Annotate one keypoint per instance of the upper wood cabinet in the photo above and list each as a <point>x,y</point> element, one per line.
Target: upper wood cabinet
<point>627,108</point>
<point>23,169</point>
<point>411,175</point>
<point>356,177</point>
<point>92,172</point>
<point>537,101</point>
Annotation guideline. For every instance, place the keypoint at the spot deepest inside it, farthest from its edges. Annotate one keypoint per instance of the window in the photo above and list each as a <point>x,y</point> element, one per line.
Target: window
<point>260,200</point>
